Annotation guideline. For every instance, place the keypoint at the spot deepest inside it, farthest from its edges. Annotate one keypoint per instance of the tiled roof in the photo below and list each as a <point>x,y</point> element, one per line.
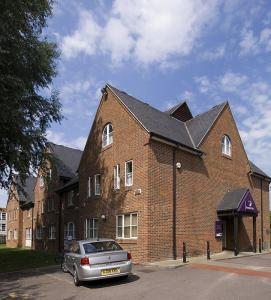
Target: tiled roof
<point>66,159</point>
<point>231,200</point>
<point>257,170</point>
<point>27,195</point>
<point>162,124</point>
<point>200,125</point>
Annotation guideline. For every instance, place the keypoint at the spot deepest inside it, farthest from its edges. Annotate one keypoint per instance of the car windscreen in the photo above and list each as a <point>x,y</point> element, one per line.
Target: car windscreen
<point>95,247</point>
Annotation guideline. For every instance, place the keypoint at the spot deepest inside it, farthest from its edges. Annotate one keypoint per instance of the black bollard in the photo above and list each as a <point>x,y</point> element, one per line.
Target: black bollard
<point>184,252</point>
<point>260,245</point>
<point>208,250</point>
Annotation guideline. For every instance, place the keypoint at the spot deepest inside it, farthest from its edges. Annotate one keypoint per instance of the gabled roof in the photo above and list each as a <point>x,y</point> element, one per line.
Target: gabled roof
<point>154,120</point>
<point>239,201</point>
<point>27,195</point>
<point>180,112</point>
<point>257,171</point>
<point>69,185</point>
<point>231,200</point>
<point>200,125</point>
<point>66,159</point>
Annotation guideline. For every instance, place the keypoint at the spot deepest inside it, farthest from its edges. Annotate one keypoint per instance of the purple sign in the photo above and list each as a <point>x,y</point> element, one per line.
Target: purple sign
<point>247,204</point>
<point>218,229</point>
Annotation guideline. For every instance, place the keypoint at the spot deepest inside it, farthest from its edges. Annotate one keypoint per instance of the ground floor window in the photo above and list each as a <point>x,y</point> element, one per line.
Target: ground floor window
<point>69,231</point>
<point>91,228</point>
<point>52,232</point>
<point>28,233</point>
<point>127,226</point>
<point>39,233</point>
<point>10,235</point>
<point>15,234</point>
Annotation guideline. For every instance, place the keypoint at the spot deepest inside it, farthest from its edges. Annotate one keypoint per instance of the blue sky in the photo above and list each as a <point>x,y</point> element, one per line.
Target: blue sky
<point>163,52</point>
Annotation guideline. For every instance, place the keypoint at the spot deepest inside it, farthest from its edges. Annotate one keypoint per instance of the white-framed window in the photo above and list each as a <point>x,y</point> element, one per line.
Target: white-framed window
<point>107,137</point>
<point>39,233</point>
<point>28,233</point>
<point>70,198</point>
<point>89,186</point>
<point>3,227</point>
<point>127,226</point>
<point>226,146</point>
<point>117,177</point>
<point>15,234</point>
<point>97,179</point>
<point>91,228</point>
<point>52,232</point>
<point>69,231</point>
<point>2,216</point>
<point>129,173</point>
<point>10,235</point>
<point>41,181</point>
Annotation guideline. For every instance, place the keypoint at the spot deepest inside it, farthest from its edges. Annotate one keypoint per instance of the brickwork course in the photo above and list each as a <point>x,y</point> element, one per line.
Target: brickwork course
<point>180,176</point>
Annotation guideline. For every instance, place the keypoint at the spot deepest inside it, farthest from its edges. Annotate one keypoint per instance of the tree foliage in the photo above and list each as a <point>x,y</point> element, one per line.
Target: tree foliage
<point>27,104</point>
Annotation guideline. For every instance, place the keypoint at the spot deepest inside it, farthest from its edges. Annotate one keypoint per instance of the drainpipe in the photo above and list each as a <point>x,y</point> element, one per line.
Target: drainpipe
<point>59,222</point>
<point>174,250</point>
<point>262,211</point>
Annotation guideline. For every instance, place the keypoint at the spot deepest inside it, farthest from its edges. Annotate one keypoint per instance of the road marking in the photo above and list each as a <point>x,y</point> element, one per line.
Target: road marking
<point>232,270</point>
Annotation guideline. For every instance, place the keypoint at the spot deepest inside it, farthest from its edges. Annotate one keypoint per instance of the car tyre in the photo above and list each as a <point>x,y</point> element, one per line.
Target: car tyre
<point>64,267</point>
<point>75,278</point>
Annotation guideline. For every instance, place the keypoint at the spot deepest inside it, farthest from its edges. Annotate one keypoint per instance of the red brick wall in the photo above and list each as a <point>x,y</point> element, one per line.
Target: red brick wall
<point>130,142</point>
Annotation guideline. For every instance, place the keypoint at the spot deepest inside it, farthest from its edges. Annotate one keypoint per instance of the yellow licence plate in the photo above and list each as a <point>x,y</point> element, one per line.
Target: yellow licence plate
<point>110,271</point>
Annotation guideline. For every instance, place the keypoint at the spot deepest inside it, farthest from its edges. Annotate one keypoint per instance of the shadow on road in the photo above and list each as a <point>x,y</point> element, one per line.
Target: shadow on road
<point>103,283</point>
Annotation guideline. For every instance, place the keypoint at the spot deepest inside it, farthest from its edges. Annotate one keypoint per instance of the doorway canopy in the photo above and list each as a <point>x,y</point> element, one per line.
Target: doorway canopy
<point>238,203</point>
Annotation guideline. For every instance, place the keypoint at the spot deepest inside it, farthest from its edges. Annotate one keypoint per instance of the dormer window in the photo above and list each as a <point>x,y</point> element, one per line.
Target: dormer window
<point>107,135</point>
<point>226,147</point>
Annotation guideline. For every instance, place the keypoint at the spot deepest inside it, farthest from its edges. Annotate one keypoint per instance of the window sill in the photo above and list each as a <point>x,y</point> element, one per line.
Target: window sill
<point>129,188</point>
<point>126,241</point>
<point>106,147</point>
<point>226,156</point>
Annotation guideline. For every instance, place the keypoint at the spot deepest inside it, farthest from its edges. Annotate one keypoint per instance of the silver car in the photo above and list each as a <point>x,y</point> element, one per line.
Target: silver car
<point>96,259</point>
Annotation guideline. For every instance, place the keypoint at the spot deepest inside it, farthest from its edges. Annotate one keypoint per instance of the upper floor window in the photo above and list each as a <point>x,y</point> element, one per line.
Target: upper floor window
<point>129,173</point>
<point>226,147</point>
<point>117,177</point>
<point>107,135</point>
<point>97,179</point>
<point>3,216</point>
<point>70,198</point>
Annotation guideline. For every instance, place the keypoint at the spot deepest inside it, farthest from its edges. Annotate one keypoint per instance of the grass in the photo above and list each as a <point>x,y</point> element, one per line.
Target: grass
<point>15,259</point>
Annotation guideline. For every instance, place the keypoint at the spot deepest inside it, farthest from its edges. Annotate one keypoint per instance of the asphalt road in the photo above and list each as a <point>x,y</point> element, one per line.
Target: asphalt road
<point>183,282</point>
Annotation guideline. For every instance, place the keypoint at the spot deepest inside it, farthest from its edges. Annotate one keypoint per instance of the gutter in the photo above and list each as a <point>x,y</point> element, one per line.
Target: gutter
<point>176,145</point>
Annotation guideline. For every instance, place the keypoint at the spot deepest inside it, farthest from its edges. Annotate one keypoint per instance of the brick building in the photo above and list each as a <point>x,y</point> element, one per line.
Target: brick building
<point>3,225</point>
<point>154,179</point>
<point>19,214</point>
<point>35,218</point>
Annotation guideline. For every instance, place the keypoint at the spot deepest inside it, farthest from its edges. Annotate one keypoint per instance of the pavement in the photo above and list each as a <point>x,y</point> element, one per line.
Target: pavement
<point>246,277</point>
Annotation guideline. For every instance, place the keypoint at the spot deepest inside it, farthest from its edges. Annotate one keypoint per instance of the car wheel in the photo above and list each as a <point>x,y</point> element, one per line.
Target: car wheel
<point>75,278</point>
<point>64,267</point>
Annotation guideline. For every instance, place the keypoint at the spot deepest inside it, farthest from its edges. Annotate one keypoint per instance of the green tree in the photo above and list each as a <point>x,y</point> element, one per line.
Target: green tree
<point>27,104</point>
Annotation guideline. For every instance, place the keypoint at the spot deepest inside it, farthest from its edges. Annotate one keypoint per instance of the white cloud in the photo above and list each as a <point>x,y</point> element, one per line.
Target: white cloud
<point>251,43</point>
<point>84,39</point>
<point>148,31</point>
<point>230,81</point>
<point>59,138</point>
<point>204,83</point>
<point>214,54</point>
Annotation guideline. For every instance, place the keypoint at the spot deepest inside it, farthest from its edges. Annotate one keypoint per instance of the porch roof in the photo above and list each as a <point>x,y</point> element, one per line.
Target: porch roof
<point>237,201</point>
